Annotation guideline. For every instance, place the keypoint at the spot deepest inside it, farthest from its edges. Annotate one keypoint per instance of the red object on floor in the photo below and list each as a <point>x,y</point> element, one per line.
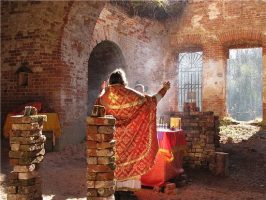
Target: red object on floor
<point>168,161</point>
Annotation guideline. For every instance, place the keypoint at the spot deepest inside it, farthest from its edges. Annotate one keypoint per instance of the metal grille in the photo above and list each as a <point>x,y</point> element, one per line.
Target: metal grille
<point>189,78</point>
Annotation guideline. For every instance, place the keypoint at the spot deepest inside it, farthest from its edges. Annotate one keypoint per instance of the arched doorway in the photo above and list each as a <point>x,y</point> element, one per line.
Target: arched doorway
<point>105,57</point>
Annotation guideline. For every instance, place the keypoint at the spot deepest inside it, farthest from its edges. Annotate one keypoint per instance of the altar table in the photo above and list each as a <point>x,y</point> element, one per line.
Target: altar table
<point>168,161</point>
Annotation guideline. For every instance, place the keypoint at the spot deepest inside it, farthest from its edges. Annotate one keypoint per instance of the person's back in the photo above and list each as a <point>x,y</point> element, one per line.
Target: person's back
<point>136,138</point>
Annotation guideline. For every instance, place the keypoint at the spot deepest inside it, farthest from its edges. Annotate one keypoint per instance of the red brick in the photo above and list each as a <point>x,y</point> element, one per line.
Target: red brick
<point>99,168</point>
<point>105,176</point>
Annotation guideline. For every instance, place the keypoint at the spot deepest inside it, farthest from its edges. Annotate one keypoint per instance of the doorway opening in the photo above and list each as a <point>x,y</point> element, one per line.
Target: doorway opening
<point>244,84</point>
<point>105,58</point>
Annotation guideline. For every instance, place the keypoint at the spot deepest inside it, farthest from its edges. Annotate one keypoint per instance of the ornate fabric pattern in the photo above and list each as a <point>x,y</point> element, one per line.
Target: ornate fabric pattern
<point>136,140</point>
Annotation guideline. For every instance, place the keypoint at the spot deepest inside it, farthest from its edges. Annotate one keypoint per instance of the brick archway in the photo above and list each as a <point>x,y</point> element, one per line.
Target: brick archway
<point>190,42</point>
<point>240,38</point>
<point>81,34</point>
<point>76,36</point>
<point>245,39</point>
<point>104,58</point>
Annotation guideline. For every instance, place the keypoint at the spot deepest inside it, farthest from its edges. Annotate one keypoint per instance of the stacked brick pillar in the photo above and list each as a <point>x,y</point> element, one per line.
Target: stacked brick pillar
<point>27,151</point>
<point>202,135</point>
<point>100,158</point>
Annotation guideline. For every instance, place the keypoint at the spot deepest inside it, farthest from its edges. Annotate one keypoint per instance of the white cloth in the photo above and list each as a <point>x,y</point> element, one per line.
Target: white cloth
<point>158,97</point>
<point>132,184</point>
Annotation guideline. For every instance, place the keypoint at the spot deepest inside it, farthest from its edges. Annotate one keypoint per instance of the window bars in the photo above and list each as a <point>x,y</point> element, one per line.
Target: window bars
<point>189,78</point>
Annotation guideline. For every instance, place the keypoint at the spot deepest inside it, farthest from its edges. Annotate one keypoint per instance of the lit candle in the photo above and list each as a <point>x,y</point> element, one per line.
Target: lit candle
<point>175,122</point>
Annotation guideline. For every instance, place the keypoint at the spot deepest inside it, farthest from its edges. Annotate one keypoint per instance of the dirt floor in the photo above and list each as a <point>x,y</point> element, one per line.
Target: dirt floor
<point>63,173</point>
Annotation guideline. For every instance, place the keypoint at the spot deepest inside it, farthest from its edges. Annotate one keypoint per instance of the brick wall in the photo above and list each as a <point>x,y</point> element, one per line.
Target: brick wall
<point>202,136</point>
<point>214,27</point>
<point>32,32</point>
<point>57,39</point>
<point>26,35</point>
<point>135,44</point>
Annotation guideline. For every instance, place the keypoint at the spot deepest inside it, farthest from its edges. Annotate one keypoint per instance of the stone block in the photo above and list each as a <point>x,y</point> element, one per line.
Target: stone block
<point>105,176</point>
<point>197,162</point>
<point>91,192</point>
<point>11,189</point>
<point>170,186</point>
<point>92,160</point>
<point>106,160</point>
<point>13,175</point>
<point>92,129</point>
<point>210,147</point>
<point>29,189</point>
<point>25,168</point>
<point>27,140</point>
<point>199,150</point>
<point>101,121</point>
<point>91,184</point>
<point>100,137</point>
<point>104,184</point>
<point>92,137</point>
<point>26,154</point>
<point>191,154</point>
<point>101,198</point>
<point>100,152</point>
<point>106,129</point>
<point>23,182</point>
<point>19,133</point>
<point>34,196</point>
<point>31,147</point>
<point>17,197</point>
<point>105,137</point>
<point>198,155</point>
<point>13,161</point>
<point>21,119</point>
<point>106,145</point>
<point>91,144</point>
<point>27,175</point>
<point>99,168</point>
<point>26,127</point>
<point>91,176</point>
<point>170,191</point>
<point>105,192</point>
<point>28,161</point>
<point>14,147</point>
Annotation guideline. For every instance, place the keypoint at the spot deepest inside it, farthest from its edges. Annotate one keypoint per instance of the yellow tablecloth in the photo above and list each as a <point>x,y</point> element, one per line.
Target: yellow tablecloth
<point>52,124</point>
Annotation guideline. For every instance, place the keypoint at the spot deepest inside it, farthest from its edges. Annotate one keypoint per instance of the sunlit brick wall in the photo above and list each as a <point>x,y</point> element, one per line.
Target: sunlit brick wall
<point>215,27</point>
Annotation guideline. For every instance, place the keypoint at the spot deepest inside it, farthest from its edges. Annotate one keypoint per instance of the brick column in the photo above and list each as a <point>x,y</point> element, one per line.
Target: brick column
<point>27,151</point>
<point>100,158</point>
<point>202,138</point>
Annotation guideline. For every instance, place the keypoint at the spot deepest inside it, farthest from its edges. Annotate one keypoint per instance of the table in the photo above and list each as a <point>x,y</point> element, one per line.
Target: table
<point>168,161</point>
<point>52,124</point>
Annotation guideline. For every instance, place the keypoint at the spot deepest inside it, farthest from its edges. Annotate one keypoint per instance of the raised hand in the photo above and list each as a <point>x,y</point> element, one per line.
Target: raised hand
<point>166,85</point>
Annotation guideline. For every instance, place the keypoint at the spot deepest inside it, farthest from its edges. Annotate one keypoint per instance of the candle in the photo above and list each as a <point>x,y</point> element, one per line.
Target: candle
<point>175,122</point>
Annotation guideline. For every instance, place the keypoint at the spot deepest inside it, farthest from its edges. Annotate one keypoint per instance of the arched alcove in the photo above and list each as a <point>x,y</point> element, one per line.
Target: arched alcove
<point>104,58</point>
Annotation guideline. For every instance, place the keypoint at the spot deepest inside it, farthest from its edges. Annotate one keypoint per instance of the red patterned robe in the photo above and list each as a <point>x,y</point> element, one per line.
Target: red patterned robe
<point>136,139</point>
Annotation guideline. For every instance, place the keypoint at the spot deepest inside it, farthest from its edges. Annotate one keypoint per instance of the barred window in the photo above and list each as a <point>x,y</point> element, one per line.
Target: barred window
<point>189,78</point>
